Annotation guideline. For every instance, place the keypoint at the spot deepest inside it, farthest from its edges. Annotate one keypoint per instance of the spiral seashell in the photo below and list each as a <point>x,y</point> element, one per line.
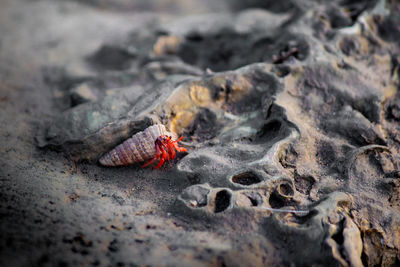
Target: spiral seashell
<point>140,147</point>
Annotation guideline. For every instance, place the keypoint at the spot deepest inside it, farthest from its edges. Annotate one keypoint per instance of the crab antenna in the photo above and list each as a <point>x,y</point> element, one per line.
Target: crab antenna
<point>179,139</point>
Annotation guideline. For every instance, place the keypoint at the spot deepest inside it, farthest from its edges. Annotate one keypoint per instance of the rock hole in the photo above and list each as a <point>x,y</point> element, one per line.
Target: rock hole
<point>221,261</point>
<point>253,201</point>
<point>338,236</point>
<point>304,184</point>
<point>364,258</point>
<point>276,202</point>
<point>285,190</point>
<point>194,37</point>
<point>246,178</point>
<point>269,131</point>
<point>392,106</point>
<point>272,126</point>
<point>282,195</point>
<point>222,201</point>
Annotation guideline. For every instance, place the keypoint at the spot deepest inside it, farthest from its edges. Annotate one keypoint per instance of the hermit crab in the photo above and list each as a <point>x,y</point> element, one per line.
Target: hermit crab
<point>155,142</point>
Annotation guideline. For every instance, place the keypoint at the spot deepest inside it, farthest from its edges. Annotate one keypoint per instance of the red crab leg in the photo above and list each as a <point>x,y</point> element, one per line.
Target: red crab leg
<point>172,153</point>
<point>168,146</point>
<point>159,153</point>
<point>163,157</point>
<point>177,147</point>
<point>180,149</point>
<point>180,138</point>
<point>170,149</point>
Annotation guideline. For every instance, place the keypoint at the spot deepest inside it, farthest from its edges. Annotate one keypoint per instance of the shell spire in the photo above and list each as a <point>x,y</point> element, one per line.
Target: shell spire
<point>150,144</point>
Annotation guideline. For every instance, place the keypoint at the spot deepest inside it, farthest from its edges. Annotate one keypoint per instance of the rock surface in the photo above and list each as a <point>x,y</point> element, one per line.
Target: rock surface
<point>289,110</point>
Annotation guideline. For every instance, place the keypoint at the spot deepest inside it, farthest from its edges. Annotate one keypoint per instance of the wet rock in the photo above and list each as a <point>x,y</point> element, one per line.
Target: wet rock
<point>111,58</point>
<point>270,194</point>
<point>388,27</point>
<point>356,129</point>
<point>84,93</point>
<point>338,18</point>
<point>255,20</point>
<point>250,198</point>
<point>352,243</point>
<point>233,49</point>
<point>268,5</point>
<point>350,45</point>
<point>282,195</point>
<point>167,45</point>
<point>203,201</point>
<point>224,42</point>
<point>84,130</point>
<point>196,195</point>
<point>161,70</point>
<point>87,130</point>
<point>327,227</point>
<point>393,109</point>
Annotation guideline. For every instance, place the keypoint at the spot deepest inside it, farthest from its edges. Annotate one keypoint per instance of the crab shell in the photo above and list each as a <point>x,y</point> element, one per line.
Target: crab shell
<point>140,147</point>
